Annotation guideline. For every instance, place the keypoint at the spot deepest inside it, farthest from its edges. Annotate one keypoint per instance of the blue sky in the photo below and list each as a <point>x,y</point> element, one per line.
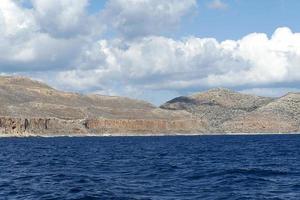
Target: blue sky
<point>151,49</point>
<point>243,17</point>
<point>238,19</point>
<point>96,5</point>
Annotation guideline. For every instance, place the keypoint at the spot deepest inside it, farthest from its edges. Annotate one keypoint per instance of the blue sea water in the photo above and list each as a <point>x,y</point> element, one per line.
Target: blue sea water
<point>196,167</point>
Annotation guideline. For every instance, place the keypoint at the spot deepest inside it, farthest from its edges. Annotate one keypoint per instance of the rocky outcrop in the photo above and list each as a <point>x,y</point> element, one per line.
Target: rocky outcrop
<point>53,126</point>
<point>40,126</point>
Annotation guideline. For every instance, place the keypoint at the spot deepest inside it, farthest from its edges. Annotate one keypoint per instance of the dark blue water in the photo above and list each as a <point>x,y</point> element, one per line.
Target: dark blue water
<point>205,167</point>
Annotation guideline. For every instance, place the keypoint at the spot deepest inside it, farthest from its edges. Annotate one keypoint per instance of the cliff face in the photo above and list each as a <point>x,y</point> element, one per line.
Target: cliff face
<point>33,108</point>
<point>39,126</point>
<point>144,126</point>
<point>53,126</point>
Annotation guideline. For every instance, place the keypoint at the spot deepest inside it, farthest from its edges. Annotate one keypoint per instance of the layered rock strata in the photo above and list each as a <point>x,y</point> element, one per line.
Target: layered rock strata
<point>60,127</point>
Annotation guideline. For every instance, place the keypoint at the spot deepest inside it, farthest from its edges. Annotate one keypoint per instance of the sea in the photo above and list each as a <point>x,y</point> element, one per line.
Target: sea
<point>160,168</point>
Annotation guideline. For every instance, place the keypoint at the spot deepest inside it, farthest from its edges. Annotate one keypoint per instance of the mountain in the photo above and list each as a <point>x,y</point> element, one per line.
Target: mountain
<point>32,108</point>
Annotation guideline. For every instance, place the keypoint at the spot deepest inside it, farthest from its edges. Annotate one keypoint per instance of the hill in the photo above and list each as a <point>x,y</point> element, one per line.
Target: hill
<point>226,111</point>
<point>32,107</point>
<point>279,116</point>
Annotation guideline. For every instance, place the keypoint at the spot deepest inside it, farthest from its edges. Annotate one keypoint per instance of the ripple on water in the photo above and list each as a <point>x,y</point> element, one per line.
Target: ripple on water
<point>209,167</point>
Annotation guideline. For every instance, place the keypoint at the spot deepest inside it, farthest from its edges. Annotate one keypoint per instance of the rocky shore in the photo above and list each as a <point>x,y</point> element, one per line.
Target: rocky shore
<point>31,108</point>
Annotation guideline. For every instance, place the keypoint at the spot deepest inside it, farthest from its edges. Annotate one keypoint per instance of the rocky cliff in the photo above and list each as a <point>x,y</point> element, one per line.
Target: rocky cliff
<point>32,108</point>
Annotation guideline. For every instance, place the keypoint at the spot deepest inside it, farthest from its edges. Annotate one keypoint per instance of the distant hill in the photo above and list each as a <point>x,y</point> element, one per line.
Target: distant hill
<point>232,112</point>
<point>33,108</point>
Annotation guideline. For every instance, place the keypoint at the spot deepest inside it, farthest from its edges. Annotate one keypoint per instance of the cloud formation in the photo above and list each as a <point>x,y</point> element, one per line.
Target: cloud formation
<point>31,41</point>
<point>163,63</point>
<point>61,18</point>
<point>61,43</point>
<point>135,18</point>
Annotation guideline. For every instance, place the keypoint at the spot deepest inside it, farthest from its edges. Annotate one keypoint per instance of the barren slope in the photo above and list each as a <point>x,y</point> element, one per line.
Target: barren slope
<point>22,97</point>
<point>281,115</point>
<point>217,105</point>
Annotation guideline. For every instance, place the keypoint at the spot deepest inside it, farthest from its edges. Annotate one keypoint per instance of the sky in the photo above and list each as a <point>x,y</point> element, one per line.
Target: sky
<point>152,49</point>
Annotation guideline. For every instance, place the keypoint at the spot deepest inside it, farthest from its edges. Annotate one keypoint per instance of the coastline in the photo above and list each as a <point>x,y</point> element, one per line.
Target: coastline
<point>33,109</point>
<point>139,135</point>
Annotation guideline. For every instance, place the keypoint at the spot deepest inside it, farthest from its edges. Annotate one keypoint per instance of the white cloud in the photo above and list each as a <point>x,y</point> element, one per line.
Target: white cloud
<point>48,36</point>
<point>15,20</point>
<point>217,4</point>
<point>65,18</point>
<point>270,60</point>
<point>59,35</point>
<point>133,18</point>
<point>160,63</point>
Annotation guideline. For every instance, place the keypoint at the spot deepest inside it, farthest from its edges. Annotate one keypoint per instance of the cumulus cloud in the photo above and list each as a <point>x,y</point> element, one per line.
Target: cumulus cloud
<point>58,35</point>
<point>49,35</point>
<point>64,18</point>
<point>133,18</point>
<point>269,60</point>
<point>160,63</point>
<point>15,20</point>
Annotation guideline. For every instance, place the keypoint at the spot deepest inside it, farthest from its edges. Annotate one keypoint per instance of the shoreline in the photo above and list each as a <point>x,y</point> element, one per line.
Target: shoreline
<point>141,135</point>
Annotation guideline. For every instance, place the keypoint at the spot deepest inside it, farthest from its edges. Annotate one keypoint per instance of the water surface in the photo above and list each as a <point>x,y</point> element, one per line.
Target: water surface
<point>196,167</point>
